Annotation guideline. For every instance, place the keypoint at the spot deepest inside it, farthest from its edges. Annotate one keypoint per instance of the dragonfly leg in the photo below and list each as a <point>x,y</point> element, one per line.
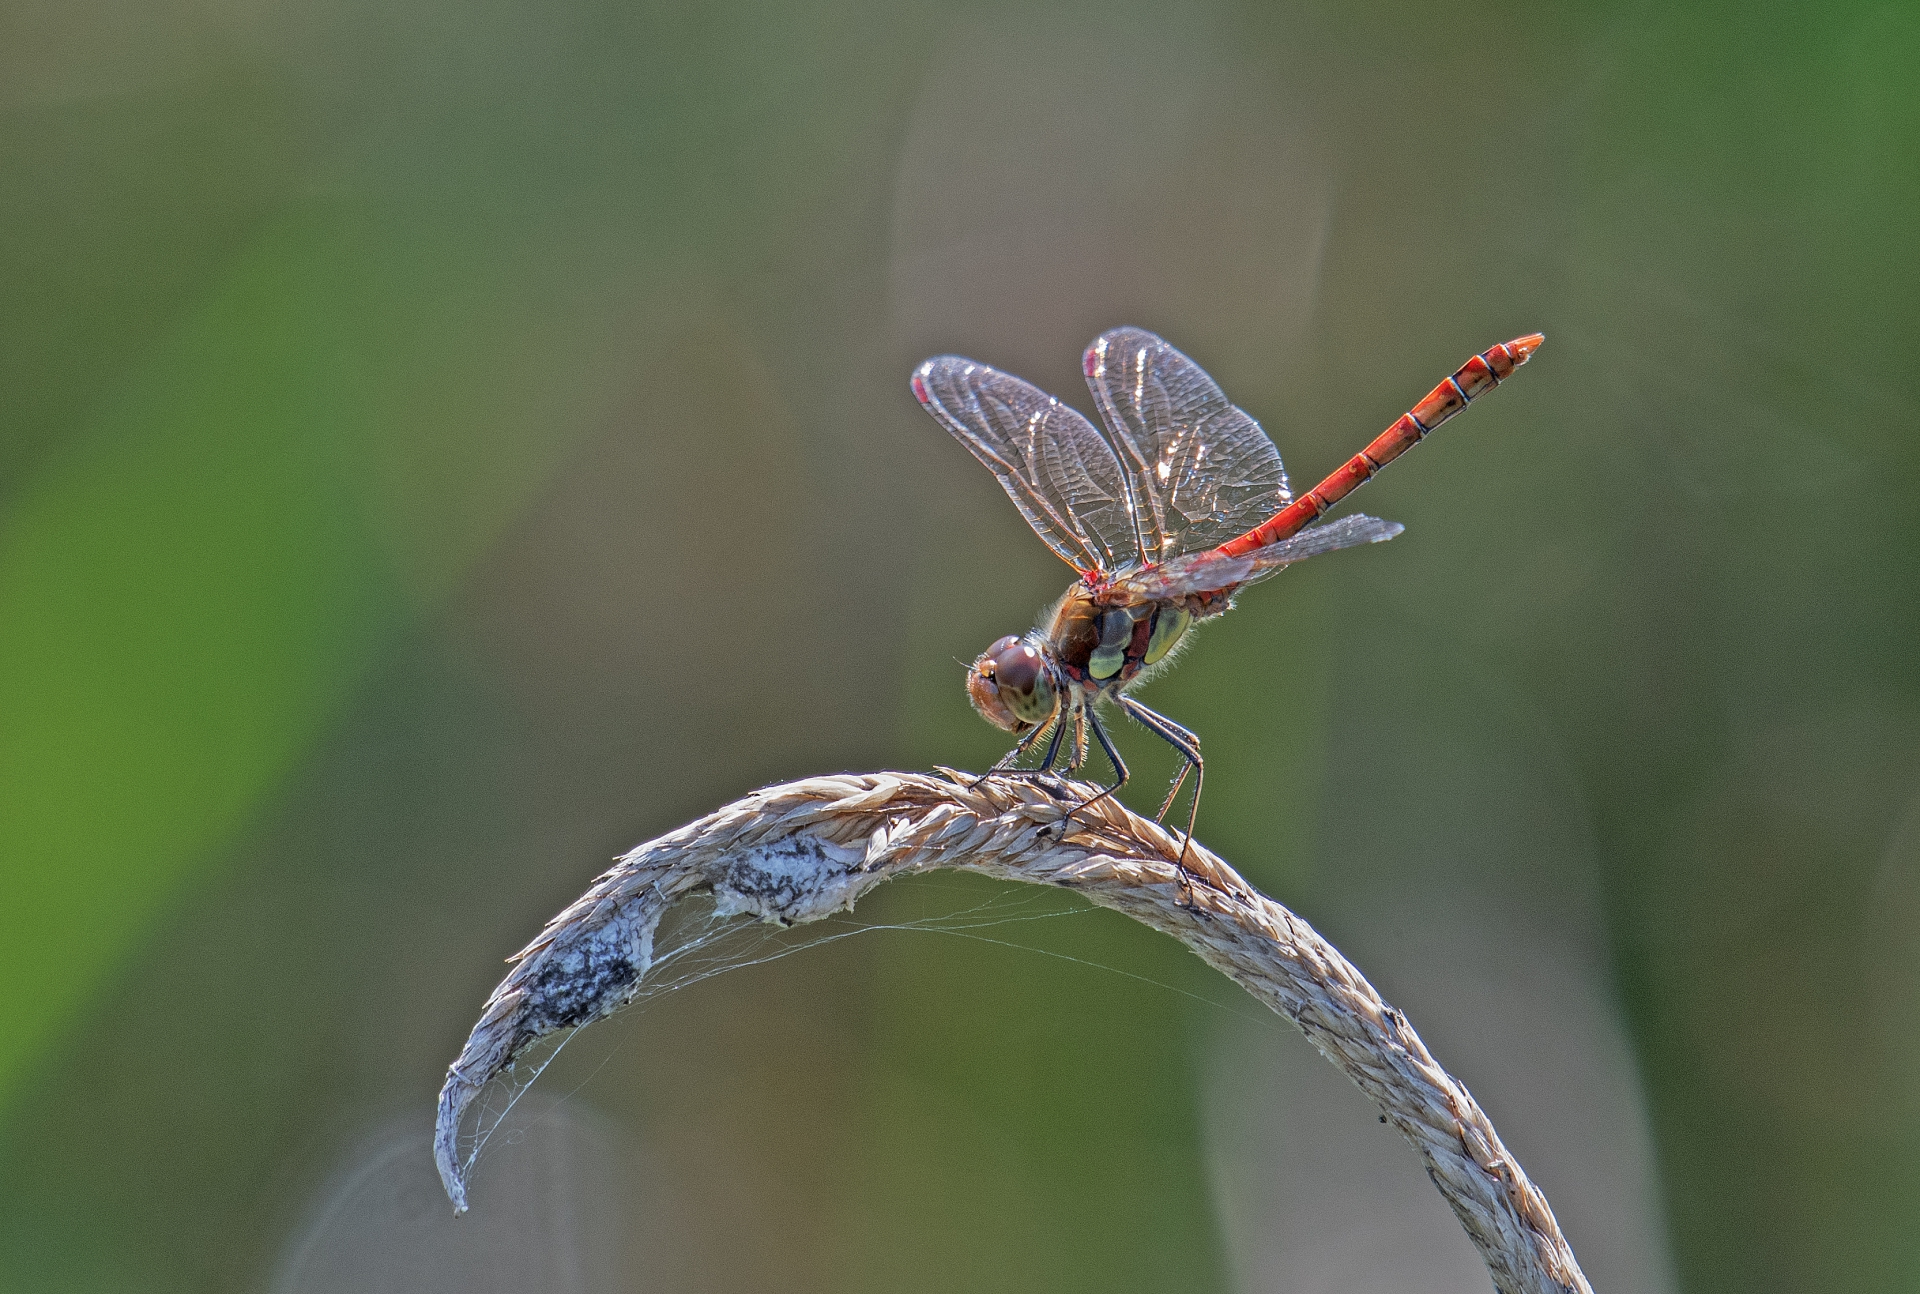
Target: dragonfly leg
<point>1057,726</point>
<point>1053,747</point>
<point>1189,747</point>
<point>1006,762</point>
<point>1120,773</point>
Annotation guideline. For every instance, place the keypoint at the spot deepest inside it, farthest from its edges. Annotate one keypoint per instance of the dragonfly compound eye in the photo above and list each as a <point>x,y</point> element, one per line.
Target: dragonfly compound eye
<point>1010,685</point>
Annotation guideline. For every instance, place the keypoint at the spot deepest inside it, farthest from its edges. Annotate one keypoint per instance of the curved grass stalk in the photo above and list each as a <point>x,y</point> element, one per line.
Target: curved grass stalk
<point>801,851</point>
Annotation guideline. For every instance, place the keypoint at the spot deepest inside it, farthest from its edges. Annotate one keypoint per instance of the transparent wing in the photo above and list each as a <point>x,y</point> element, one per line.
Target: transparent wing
<point>1058,470</point>
<point>1202,470</point>
<point>1209,571</point>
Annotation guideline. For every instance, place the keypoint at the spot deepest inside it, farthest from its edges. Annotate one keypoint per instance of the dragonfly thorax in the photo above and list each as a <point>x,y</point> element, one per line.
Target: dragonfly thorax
<point>1084,648</point>
<point>1101,644</point>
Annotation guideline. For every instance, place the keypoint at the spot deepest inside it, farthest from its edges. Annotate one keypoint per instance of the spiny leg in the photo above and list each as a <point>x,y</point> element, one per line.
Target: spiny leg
<point>1057,726</point>
<point>1120,773</point>
<point>1189,747</point>
<point>1006,762</point>
<point>1053,747</point>
<point>1183,740</point>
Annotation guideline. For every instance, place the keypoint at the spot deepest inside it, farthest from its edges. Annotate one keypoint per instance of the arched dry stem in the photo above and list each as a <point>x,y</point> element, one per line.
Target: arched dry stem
<point>798,852</point>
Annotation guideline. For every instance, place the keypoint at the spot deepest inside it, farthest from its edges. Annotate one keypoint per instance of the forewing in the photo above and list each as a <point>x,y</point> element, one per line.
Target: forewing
<point>1058,470</point>
<point>1202,470</point>
<point>1209,571</point>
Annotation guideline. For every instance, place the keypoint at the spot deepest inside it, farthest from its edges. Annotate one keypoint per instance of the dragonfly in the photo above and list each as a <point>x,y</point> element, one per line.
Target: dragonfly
<point>1164,517</point>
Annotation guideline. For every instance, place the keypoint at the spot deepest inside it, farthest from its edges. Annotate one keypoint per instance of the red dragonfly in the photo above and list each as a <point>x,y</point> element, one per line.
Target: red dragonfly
<point>1181,503</point>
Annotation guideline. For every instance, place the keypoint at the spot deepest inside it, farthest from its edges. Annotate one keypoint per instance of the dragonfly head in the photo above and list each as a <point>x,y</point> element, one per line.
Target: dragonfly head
<point>1011,685</point>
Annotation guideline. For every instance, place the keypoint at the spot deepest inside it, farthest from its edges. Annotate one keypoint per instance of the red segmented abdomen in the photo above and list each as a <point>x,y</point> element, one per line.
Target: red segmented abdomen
<point>1478,375</point>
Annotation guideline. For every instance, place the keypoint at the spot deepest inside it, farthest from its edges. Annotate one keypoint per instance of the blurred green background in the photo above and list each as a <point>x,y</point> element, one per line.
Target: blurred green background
<point>442,444</point>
